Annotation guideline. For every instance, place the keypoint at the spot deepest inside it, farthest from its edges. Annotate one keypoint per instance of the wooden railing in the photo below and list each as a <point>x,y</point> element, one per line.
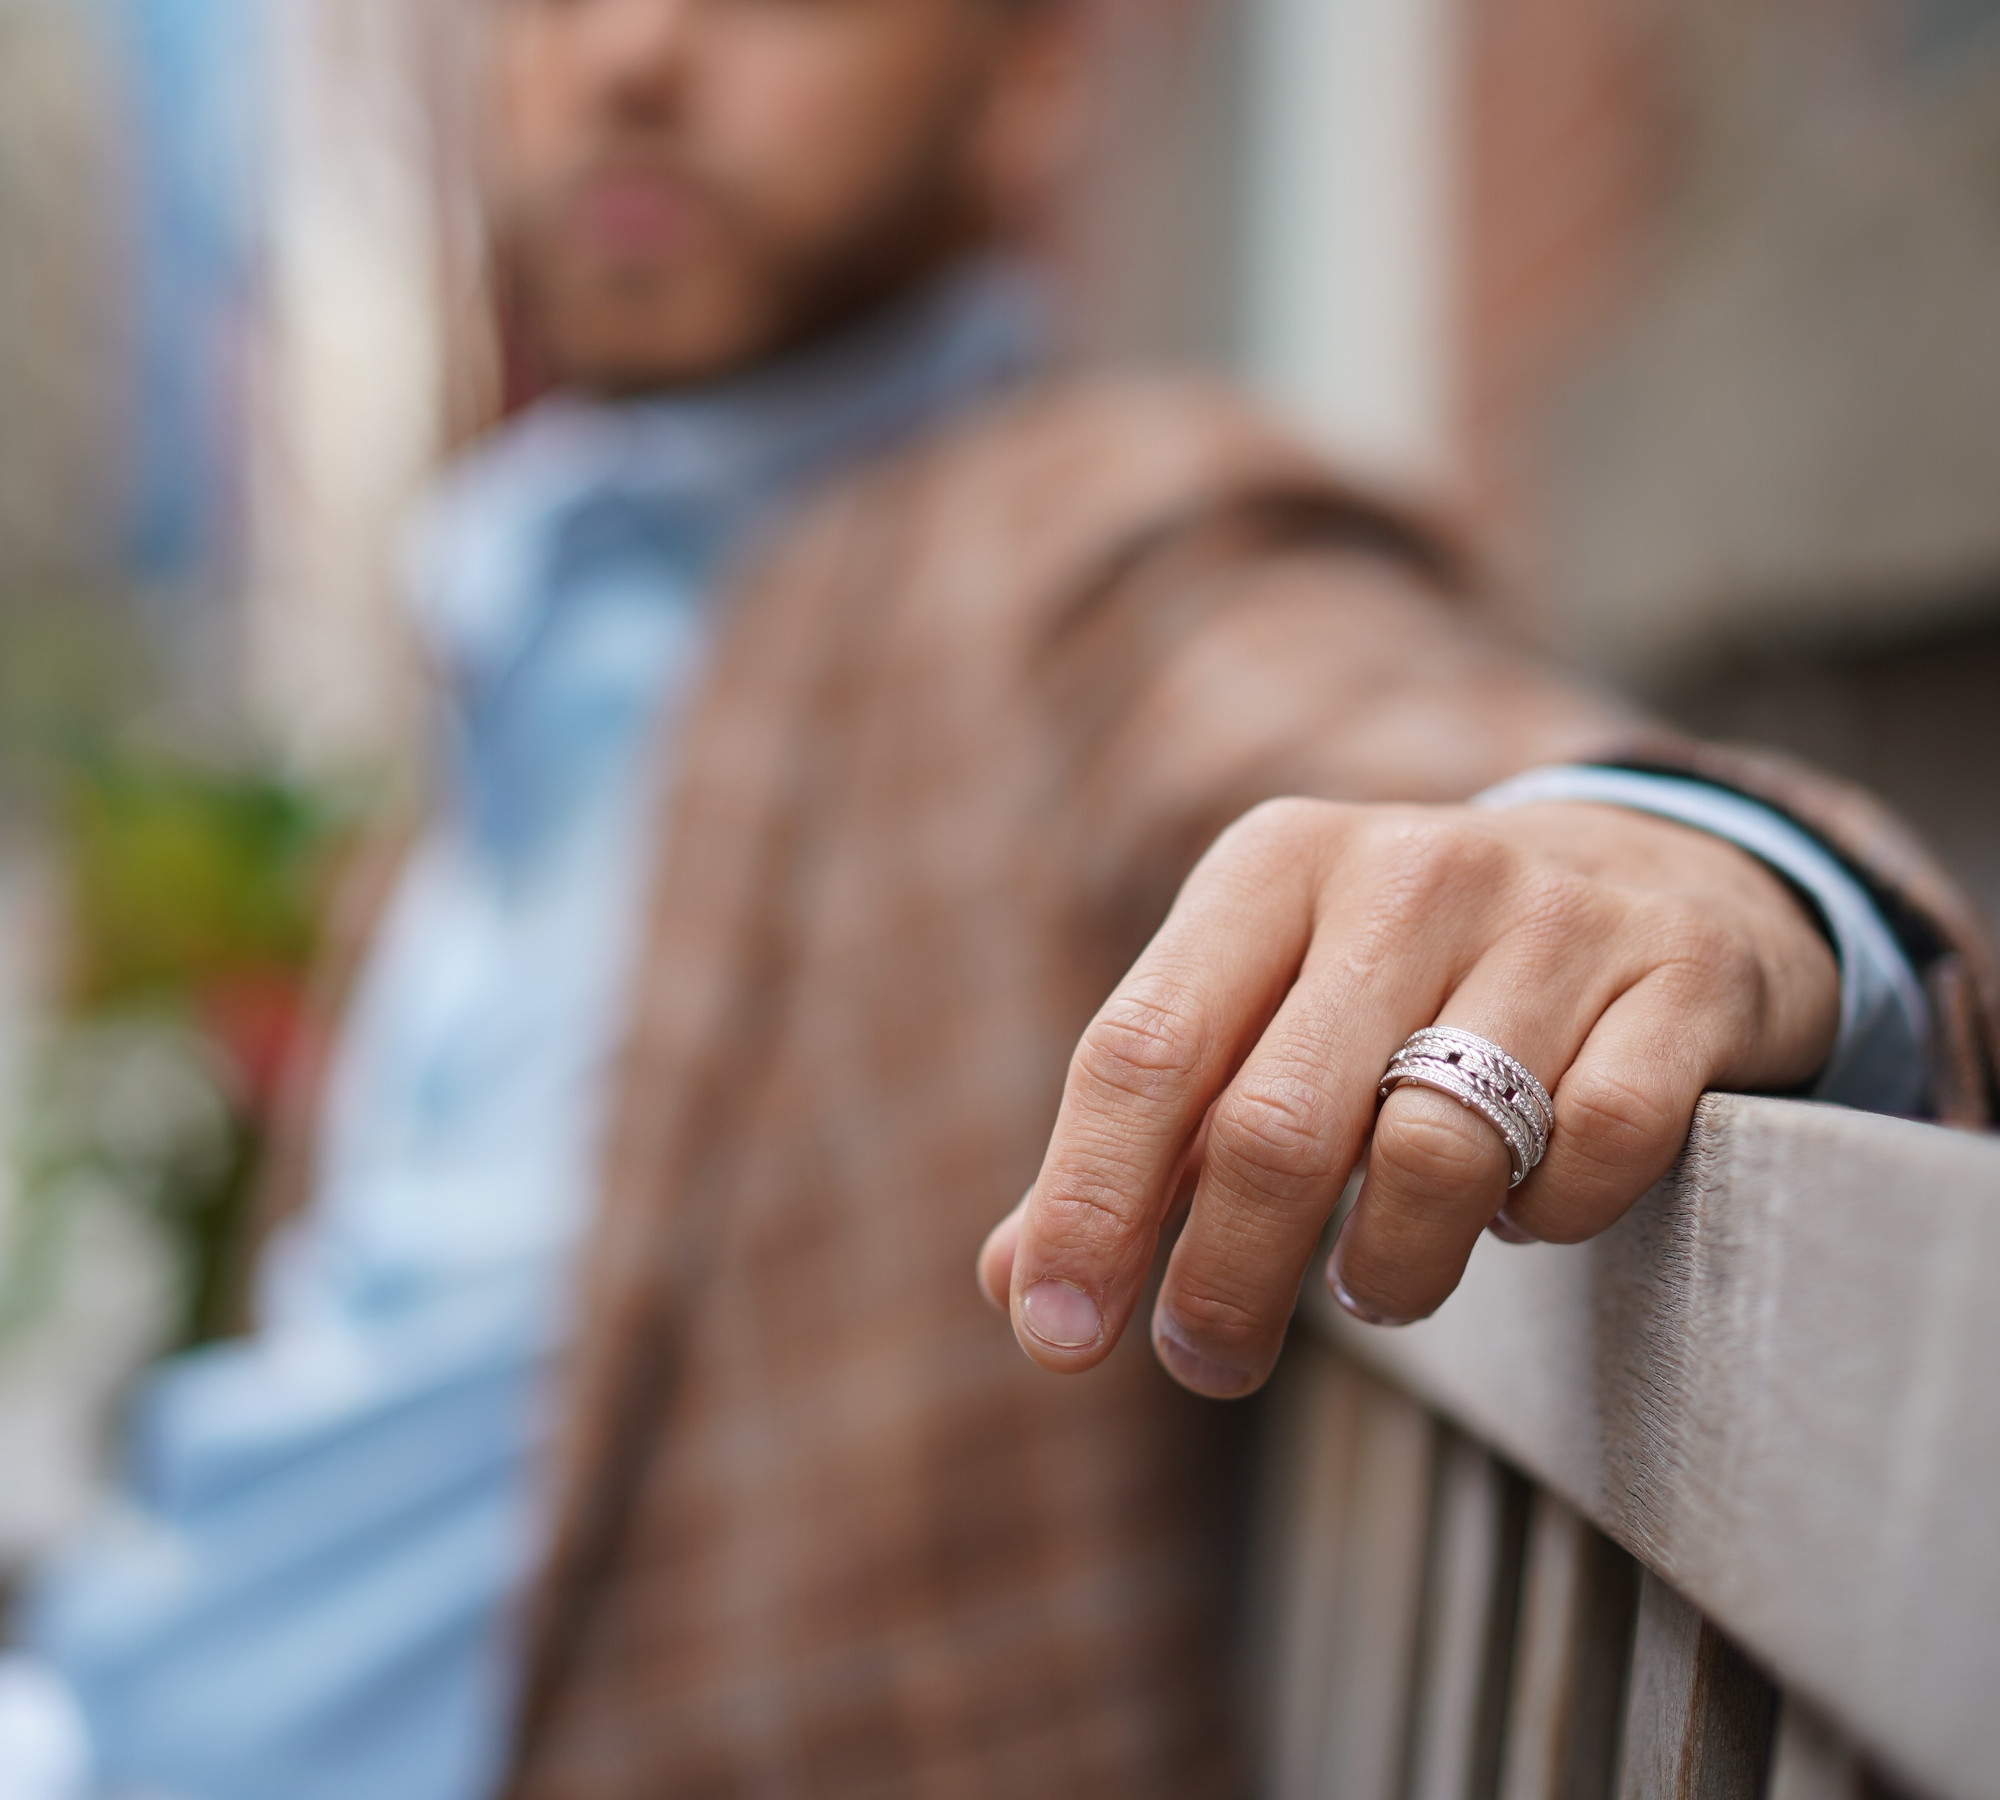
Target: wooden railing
<point>1706,1509</point>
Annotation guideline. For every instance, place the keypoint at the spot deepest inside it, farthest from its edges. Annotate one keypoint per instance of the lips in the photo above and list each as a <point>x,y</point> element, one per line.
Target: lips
<point>634,215</point>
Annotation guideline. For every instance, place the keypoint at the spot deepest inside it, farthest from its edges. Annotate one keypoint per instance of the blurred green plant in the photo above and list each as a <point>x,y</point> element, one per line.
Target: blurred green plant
<point>183,877</point>
<point>193,898</point>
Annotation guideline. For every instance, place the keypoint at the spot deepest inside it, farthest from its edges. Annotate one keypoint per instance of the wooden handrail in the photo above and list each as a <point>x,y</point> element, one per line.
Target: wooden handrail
<point>1777,1384</point>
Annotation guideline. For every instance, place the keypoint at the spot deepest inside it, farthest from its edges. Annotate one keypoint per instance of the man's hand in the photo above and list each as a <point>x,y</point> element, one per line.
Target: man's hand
<point>1629,962</point>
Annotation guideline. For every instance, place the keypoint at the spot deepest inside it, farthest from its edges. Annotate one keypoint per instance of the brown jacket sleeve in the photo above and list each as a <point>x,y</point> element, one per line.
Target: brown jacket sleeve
<point>1243,661</point>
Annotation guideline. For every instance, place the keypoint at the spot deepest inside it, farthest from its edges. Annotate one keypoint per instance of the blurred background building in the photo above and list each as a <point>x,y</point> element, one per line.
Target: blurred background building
<point>1693,304</point>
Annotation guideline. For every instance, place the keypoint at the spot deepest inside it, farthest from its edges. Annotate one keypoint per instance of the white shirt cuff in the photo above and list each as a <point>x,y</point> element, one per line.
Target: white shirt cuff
<point>1880,1059</point>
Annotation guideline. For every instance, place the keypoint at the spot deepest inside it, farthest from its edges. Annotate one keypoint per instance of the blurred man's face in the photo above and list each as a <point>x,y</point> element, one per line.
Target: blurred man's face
<point>683,186</point>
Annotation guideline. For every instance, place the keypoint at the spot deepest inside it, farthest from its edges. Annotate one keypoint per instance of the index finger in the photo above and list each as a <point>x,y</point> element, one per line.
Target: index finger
<point>1160,1049</point>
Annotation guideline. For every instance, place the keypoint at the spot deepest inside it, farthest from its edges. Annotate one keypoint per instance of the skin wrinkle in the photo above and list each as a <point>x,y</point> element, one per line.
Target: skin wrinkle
<point>1307,1063</point>
<point>1449,915</point>
<point>1120,1056</point>
<point>1177,1074</point>
<point>1572,1203</point>
<point>1610,1124</point>
<point>1276,1116</point>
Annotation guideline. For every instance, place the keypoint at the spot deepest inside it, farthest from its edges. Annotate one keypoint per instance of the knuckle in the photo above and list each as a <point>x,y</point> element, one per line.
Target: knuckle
<point>1274,1128</point>
<point>1558,906</point>
<point>1271,834</point>
<point>1740,974</point>
<point>1428,857</point>
<point>1084,1214</point>
<point>1718,980</point>
<point>1615,1125</point>
<point>1700,948</point>
<point>1285,818</point>
<point>1430,1148</point>
<point>1145,1042</point>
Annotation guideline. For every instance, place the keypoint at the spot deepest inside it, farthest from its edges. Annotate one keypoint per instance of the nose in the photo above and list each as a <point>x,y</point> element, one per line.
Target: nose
<point>636,50</point>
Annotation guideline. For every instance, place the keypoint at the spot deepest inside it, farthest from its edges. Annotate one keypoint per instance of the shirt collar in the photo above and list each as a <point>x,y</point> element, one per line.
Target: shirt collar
<point>476,561</point>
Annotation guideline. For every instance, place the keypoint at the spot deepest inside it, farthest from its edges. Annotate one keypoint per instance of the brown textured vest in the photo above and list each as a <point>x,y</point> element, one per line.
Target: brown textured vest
<point>822,1530</point>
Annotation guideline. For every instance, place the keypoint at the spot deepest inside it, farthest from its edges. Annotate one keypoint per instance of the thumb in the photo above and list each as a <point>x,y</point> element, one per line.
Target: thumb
<point>995,1268</point>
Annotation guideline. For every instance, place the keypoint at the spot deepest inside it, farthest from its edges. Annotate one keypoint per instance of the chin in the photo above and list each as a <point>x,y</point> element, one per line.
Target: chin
<point>627,334</point>
<point>627,367</point>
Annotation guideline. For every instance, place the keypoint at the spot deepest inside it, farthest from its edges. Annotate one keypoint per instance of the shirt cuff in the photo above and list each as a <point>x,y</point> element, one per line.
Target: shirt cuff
<point>1880,1059</point>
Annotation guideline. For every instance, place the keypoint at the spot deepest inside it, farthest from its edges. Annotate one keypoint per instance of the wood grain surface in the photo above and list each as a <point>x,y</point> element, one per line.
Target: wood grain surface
<point>1698,1717</point>
<point>1578,1595</point>
<point>1777,1383</point>
<point>1344,1581</point>
<point>1478,1523</point>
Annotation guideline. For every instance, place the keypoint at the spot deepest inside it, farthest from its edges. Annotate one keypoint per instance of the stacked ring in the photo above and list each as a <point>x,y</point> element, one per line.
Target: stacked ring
<point>1482,1077</point>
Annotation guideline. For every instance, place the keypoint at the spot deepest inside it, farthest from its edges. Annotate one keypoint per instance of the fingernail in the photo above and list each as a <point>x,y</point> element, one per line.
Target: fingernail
<point>1503,1227</point>
<point>1348,1304</point>
<point>1192,1369</point>
<point>1063,1317</point>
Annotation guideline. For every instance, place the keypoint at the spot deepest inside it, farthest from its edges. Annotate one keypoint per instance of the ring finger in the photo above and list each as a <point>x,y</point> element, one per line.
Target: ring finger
<point>1438,1171</point>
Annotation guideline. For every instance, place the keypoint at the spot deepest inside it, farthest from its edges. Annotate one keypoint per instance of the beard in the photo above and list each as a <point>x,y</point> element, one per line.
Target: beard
<point>642,269</point>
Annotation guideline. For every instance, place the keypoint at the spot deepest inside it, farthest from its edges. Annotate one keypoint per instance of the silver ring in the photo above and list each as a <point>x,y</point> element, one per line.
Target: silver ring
<point>1482,1077</point>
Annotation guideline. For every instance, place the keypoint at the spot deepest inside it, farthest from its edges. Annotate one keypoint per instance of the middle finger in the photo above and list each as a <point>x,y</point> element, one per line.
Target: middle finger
<point>1281,1140</point>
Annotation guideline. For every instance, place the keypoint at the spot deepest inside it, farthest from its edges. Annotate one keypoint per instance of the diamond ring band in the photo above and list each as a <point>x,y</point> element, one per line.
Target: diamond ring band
<point>1483,1078</point>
